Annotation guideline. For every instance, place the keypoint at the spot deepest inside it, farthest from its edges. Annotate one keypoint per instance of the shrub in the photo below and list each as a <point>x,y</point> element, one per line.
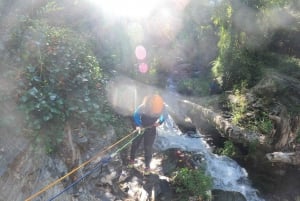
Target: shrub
<point>193,183</point>
<point>239,106</point>
<point>60,81</point>
<point>194,86</point>
<point>265,125</point>
<point>229,149</point>
<point>284,64</point>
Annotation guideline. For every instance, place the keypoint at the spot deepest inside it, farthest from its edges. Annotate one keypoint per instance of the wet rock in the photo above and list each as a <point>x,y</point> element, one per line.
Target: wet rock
<point>220,195</point>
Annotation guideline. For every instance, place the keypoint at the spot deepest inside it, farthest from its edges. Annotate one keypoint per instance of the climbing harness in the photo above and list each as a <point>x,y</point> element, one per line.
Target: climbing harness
<point>103,161</point>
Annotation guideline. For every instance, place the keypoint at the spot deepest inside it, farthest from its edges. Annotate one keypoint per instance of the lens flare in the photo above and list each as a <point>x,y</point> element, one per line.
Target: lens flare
<point>128,8</point>
<point>140,52</point>
<point>143,68</point>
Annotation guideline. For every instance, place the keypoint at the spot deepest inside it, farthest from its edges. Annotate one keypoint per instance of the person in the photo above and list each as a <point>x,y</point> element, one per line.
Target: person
<point>147,116</point>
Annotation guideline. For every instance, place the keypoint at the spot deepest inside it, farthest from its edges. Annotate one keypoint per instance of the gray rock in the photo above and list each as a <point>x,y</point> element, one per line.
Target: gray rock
<point>220,195</point>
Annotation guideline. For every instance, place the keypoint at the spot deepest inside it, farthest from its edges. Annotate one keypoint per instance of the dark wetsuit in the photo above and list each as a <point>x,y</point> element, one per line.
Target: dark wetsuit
<point>146,121</point>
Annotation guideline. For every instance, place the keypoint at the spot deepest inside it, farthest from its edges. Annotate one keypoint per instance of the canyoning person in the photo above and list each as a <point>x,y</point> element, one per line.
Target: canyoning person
<point>147,116</point>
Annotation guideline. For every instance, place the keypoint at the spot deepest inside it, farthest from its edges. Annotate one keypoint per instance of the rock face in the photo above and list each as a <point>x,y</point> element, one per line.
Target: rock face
<point>117,182</point>
<point>220,195</point>
<point>31,170</point>
<point>27,169</point>
<point>286,91</point>
<point>27,172</point>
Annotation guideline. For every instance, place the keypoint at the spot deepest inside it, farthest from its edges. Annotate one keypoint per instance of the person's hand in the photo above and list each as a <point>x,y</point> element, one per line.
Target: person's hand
<point>156,124</point>
<point>138,129</point>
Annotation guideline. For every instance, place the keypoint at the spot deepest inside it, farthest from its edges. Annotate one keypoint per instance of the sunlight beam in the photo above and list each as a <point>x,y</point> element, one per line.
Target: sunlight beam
<point>127,8</point>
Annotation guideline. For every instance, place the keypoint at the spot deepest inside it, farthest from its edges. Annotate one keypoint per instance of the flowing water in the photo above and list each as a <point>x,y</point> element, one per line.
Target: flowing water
<point>226,173</point>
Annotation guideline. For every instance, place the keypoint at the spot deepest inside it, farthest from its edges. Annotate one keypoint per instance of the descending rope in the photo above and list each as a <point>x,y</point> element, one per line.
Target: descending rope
<point>84,164</point>
<point>103,161</point>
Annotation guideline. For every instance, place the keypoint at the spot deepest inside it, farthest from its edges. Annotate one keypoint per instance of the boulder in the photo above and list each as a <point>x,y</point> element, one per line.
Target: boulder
<point>221,195</point>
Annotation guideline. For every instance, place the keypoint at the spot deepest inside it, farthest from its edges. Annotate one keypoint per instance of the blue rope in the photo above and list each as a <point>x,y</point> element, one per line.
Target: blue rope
<point>103,161</point>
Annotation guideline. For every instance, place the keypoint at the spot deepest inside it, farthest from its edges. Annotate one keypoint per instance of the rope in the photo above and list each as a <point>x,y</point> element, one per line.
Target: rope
<point>79,179</point>
<point>80,166</point>
<point>103,161</point>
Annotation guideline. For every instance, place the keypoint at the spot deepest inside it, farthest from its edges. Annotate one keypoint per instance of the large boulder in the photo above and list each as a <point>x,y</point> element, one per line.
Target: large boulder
<point>221,195</point>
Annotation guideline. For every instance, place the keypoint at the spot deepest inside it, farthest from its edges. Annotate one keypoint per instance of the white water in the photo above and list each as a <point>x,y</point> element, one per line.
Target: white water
<point>226,173</point>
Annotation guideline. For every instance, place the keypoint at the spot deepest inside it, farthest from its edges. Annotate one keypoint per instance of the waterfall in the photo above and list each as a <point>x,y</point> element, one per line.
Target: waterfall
<point>226,173</point>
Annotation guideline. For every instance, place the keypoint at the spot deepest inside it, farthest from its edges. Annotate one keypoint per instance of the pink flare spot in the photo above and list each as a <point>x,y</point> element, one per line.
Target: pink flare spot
<point>143,67</point>
<point>140,52</point>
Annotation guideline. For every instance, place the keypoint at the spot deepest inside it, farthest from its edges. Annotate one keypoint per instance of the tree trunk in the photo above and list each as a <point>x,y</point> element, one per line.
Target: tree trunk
<point>285,130</point>
<point>292,158</point>
<point>282,129</point>
<point>199,114</point>
<point>69,152</point>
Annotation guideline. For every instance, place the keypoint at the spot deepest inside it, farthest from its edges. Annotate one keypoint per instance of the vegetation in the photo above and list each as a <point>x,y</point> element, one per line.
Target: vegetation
<point>64,66</point>
<point>241,49</point>
<point>59,56</point>
<point>238,106</point>
<point>282,63</point>
<point>191,182</point>
<point>59,80</point>
<point>194,87</point>
<point>229,149</point>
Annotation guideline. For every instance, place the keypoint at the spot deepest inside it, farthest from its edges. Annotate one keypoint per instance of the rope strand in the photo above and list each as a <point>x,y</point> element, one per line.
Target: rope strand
<point>79,167</point>
<point>100,164</point>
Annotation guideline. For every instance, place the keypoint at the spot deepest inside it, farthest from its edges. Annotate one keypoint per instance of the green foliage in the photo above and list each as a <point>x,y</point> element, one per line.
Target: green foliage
<point>195,45</point>
<point>50,6</point>
<point>194,86</point>
<point>257,121</point>
<point>237,61</point>
<point>242,54</point>
<point>61,80</point>
<point>265,125</point>
<point>237,65</point>
<point>50,138</point>
<point>267,4</point>
<point>260,124</point>
<point>238,106</point>
<point>222,14</point>
<point>193,183</point>
<point>284,64</point>
<point>228,149</point>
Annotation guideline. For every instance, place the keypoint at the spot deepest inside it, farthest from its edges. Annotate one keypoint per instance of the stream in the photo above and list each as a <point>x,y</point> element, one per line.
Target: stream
<point>226,173</point>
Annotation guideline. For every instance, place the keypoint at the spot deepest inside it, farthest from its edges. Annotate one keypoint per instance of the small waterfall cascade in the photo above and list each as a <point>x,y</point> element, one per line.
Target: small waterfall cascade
<point>226,173</point>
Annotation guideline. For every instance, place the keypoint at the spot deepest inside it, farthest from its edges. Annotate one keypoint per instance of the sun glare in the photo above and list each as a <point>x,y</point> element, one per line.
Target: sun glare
<point>127,8</point>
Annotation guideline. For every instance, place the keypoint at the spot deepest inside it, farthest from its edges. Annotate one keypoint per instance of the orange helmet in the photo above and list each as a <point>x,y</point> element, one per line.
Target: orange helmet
<point>154,104</point>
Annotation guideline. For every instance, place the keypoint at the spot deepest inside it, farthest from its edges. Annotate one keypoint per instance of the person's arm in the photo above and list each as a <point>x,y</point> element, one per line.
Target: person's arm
<point>162,117</point>
<point>137,117</point>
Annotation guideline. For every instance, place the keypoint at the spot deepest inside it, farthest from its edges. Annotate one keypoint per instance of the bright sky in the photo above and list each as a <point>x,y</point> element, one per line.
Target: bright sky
<point>127,8</point>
